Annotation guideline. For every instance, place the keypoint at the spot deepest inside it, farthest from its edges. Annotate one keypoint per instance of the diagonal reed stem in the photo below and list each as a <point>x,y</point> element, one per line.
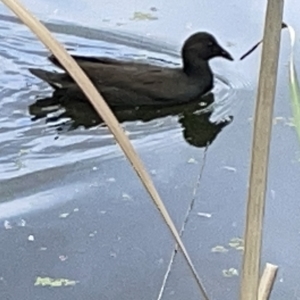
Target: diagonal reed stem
<point>267,281</point>
<point>104,111</point>
<point>260,150</point>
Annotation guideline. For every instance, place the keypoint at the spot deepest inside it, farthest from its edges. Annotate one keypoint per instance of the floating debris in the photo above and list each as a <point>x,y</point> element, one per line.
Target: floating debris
<point>30,238</point>
<point>54,282</point>
<point>126,196</point>
<point>230,272</point>
<point>206,215</point>
<point>192,161</point>
<point>7,224</point>
<point>237,243</point>
<point>140,16</point>
<point>64,215</point>
<point>92,234</point>
<point>232,169</point>
<point>19,223</point>
<point>219,249</point>
<point>63,257</point>
<point>276,120</point>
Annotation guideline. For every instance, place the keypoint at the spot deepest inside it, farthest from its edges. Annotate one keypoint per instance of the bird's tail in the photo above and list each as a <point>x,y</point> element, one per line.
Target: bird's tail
<point>56,80</point>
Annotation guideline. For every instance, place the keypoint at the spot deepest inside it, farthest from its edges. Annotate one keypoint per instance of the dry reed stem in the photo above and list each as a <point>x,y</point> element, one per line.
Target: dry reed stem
<point>260,150</point>
<point>267,281</point>
<point>104,111</point>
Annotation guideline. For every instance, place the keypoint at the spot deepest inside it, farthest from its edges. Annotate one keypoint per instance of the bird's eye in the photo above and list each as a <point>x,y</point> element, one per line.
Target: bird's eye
<point>210,44</point>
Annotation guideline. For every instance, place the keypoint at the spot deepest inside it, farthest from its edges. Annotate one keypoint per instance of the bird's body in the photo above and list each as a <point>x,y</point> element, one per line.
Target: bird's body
<point>124,83</point>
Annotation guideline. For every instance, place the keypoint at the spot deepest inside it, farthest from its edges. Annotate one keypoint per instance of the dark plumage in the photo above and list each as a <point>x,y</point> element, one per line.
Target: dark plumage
<point>131,84</point>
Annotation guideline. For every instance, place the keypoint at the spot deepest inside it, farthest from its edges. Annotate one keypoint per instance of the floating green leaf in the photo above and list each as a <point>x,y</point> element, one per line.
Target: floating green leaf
<point>220,249</point>
<point>230,272</point>
<point>140,16</point>
<point>237,243</point>
<point>54,282</point>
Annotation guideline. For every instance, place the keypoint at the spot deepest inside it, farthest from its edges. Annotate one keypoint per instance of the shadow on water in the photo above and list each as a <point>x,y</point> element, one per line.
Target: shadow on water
<point>194,117</point>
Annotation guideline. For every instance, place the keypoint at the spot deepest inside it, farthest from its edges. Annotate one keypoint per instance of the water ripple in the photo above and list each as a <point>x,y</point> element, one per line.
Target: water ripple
<point>28,146</point>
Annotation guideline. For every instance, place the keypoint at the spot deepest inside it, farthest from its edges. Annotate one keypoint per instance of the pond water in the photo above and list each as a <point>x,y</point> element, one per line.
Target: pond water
<point>71,206</point>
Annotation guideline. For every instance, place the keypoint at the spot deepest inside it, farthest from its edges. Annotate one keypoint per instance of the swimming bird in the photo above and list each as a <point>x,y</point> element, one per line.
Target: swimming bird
<point>132,84</point>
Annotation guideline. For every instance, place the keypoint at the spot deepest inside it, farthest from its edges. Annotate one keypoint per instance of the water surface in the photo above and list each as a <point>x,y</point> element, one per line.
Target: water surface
<point>71,205</point>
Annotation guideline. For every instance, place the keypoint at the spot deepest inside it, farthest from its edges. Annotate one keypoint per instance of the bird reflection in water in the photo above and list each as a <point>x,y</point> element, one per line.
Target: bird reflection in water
<point>193,117</point>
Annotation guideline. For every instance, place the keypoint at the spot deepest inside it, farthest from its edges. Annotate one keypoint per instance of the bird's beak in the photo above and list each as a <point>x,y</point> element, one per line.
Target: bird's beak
<point>225,54</point>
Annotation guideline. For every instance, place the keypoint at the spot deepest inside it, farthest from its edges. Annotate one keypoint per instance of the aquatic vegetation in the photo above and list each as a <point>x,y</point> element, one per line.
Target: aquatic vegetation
<point>294,84</point>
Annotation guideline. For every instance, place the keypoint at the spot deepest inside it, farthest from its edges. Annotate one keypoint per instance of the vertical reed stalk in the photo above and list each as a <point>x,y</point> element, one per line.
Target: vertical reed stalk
<point>260,150</point>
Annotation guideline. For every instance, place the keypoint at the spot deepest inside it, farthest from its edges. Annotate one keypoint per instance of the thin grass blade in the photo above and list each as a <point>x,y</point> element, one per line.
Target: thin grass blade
<point>294,84</point>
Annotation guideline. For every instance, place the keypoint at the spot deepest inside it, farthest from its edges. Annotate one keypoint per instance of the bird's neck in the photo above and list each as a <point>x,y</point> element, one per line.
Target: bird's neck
<point>200,72</point>
<point>197,68</point>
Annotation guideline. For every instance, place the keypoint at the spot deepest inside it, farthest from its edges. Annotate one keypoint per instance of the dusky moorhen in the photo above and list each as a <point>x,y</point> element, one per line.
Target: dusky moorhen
<point>132,84</point>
